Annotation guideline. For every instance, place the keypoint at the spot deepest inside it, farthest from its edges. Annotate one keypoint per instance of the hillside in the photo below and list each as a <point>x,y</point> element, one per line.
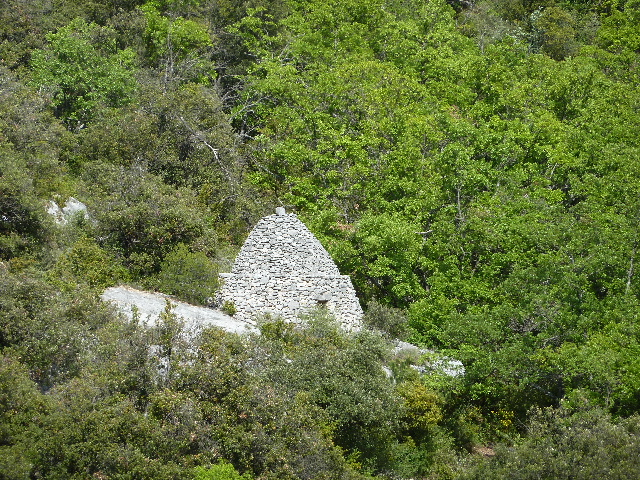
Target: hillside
<point>473,166</point>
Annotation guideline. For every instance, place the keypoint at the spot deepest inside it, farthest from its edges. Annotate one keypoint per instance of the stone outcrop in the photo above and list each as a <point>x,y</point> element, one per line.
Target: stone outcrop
<point>71,208</point>
<point>282,269</point>
<point>150,305</point>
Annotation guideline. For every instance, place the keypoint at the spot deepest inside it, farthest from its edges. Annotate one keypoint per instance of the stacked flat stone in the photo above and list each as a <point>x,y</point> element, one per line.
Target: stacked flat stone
<point>282,269</point>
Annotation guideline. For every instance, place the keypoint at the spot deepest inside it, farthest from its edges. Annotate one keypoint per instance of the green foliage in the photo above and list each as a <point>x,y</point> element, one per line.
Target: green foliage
<point>21,407</point>
<point>255,425</point>
<point>47,329</point>
<point>343,375</point>
<point>391,321</point>
<point>619,41</point>
<point>104,435</point>
<point>220,471</point>
<point>190,276</point>
<point>120,362</point>
<point>193,144</point>
<point>475,166</point>
<point>422,407</point>
<point>81,70</point>
<point>554,31</point>
<point>23,226</point>
<point>29,139</point>
<point>229,308</point>
<point>568,442</point>
<point>386,259</point>
<point>173,7</point>
<point>166,36</point>
<point>141,220</point>
<point>606,366</point>
<point>85,262</point>
<point>167,334</point>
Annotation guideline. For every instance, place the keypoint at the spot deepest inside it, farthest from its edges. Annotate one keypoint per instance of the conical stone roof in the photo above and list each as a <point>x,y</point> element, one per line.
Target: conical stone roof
<point>283,245</point>
<point>283,269</point>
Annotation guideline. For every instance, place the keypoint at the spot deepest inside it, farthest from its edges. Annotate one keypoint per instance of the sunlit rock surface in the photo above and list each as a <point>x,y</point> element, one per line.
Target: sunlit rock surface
<point>149,306</point>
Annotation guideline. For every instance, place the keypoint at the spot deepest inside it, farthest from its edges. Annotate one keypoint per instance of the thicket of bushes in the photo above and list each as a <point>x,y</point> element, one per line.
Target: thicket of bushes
<point>472,165</point>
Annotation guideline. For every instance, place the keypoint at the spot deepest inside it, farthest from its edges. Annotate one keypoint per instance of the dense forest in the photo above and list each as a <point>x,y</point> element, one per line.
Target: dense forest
<point>473,165</point>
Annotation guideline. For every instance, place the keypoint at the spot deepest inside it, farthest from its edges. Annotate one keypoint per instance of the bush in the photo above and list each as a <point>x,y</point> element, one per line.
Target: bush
<point>229,308</point>
<point>220,471</point>
<point>87,263</point>
<point>190,276</point>
<point>342,374</point>
<point>423,407</point>
<point>568,442</point>
<point>389,320</point>
<point>20,406</point>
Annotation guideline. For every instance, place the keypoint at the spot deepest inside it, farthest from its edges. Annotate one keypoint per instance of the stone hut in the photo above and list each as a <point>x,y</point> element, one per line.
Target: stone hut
<point>283,269</point>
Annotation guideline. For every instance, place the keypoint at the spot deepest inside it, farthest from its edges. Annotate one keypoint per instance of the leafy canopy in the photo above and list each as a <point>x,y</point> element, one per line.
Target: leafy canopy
<point>81,70</point>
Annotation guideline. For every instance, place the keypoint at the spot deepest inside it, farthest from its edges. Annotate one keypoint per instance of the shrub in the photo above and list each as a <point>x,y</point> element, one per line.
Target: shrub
<point>190,276</point>
<point>389,320</point>
<point>86,262</point>
<point>568,442</point>
<point>220,471</point>
<point>229,308</point>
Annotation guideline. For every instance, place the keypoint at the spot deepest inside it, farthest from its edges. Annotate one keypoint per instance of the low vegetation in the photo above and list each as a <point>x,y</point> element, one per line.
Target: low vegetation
<point>472,165</point>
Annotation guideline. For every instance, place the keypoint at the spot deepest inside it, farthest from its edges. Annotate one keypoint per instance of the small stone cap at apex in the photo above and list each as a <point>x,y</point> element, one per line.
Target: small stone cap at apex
<point>323,297</point>
<point>280,211</point>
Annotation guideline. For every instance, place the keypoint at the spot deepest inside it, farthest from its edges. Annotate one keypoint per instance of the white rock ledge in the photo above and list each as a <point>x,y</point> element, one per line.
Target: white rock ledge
<point>150,305</point>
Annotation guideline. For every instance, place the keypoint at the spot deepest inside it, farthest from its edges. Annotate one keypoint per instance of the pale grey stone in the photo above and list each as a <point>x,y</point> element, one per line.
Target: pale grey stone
<point>150,305</point>
<point>63,215</point>
<point>293,263</point>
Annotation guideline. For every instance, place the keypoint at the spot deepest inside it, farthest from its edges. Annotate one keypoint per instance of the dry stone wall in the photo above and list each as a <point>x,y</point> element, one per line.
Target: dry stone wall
<point>283,269</point>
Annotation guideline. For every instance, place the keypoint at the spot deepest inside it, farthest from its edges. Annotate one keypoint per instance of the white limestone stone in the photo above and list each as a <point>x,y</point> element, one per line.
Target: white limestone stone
<point>282,268</point>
